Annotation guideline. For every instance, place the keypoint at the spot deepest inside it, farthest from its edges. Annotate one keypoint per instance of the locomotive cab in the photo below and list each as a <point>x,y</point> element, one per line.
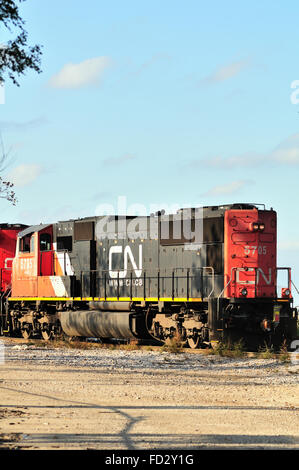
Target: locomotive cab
<point>36,266</point>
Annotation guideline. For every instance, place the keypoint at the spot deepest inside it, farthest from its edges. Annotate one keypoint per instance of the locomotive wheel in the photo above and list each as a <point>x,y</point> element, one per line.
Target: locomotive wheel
<point>193,343</point>
<point>47,335</point>
<point>27,333</point>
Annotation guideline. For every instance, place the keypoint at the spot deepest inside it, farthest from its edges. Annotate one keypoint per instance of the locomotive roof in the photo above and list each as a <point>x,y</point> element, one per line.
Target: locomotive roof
<point>32,229</point>
<point>208,211</point>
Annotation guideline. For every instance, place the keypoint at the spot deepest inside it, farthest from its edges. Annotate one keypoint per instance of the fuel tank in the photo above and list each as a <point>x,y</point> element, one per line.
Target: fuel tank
<point>111,306</point>
<point>99,324</point>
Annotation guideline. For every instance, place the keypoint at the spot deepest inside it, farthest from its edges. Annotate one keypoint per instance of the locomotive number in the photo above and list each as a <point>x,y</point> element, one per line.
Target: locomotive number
<point>26,265</point>
<point>251,250</point>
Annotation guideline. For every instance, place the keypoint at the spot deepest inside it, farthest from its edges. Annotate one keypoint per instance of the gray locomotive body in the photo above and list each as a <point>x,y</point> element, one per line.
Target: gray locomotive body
<point>144,276</point>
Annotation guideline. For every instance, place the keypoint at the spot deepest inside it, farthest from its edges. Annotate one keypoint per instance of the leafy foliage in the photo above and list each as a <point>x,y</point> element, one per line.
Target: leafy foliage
<point>16,56</point>
<point>6,191</point>
<point>6,187</point>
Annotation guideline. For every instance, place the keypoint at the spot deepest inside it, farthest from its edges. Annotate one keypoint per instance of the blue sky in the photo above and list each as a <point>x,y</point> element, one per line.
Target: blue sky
<point>169,102</point>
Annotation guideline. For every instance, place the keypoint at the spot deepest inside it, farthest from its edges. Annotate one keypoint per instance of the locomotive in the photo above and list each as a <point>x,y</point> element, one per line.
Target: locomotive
<point>201,274</point>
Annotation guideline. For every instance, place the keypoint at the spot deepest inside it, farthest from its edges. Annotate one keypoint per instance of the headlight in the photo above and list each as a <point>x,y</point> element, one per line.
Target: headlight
<point>253,226</point>
<point>244,292</point>
<point>261,227</point>
<point>285,292</point>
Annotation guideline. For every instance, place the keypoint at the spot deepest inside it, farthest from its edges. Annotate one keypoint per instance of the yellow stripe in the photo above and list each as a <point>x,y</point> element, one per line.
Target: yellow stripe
<point>14,299</point>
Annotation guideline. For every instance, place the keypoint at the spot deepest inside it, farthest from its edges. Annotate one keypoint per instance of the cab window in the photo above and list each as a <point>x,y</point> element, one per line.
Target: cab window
<point>24,246</point>
<point>45,242</point>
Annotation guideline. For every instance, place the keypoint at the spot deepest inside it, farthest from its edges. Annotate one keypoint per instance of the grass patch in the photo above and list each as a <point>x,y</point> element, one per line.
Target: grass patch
<point>173,345</point>
<point>149,348</point>
<point>229,349</point>
<point>266,352</point>
<point>82,344</point>
<point>73,344</point>
<point>284,356</point>
<point>129,347</point>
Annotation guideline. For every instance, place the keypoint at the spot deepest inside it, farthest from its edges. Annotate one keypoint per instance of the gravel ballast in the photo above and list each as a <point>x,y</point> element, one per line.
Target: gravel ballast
<point>140,399</point>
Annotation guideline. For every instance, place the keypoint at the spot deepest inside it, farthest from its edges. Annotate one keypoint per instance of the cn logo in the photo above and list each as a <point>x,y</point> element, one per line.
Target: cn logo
<point>259,273</point>
<point>127,254</point>
<point>268,280</point>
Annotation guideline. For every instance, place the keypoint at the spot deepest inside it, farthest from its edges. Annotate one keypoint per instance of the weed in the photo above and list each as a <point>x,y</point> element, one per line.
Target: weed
<point>173,345</point>
<point>266,352</point>
<point>129,347</point>
<point>149,348</point>
<point>228,349</point>
<point>284,355</point>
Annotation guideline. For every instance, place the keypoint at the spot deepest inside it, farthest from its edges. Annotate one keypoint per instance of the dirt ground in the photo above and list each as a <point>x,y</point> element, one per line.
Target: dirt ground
<point>110,399</point>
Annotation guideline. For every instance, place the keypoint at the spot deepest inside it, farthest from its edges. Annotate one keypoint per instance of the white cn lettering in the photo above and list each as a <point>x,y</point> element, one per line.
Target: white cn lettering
<point>267,281</point>
<point>238,275</point>
<point>127,254</point>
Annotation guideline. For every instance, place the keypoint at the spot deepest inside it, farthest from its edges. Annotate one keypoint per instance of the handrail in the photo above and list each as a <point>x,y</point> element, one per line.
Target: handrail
<point>295,287</point>
<point>152,269</point>
<point>171,275</point>
<point>290,282</point>
<point>223,290</point>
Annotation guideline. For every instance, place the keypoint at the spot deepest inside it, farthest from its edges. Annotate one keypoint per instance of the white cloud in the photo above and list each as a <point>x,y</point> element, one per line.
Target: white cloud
<point>287,151</point>
<point>24,174</point>
<point>86,73</point>
<point>225,189</point>
<point>289,156</point>
<point>225,72</point>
